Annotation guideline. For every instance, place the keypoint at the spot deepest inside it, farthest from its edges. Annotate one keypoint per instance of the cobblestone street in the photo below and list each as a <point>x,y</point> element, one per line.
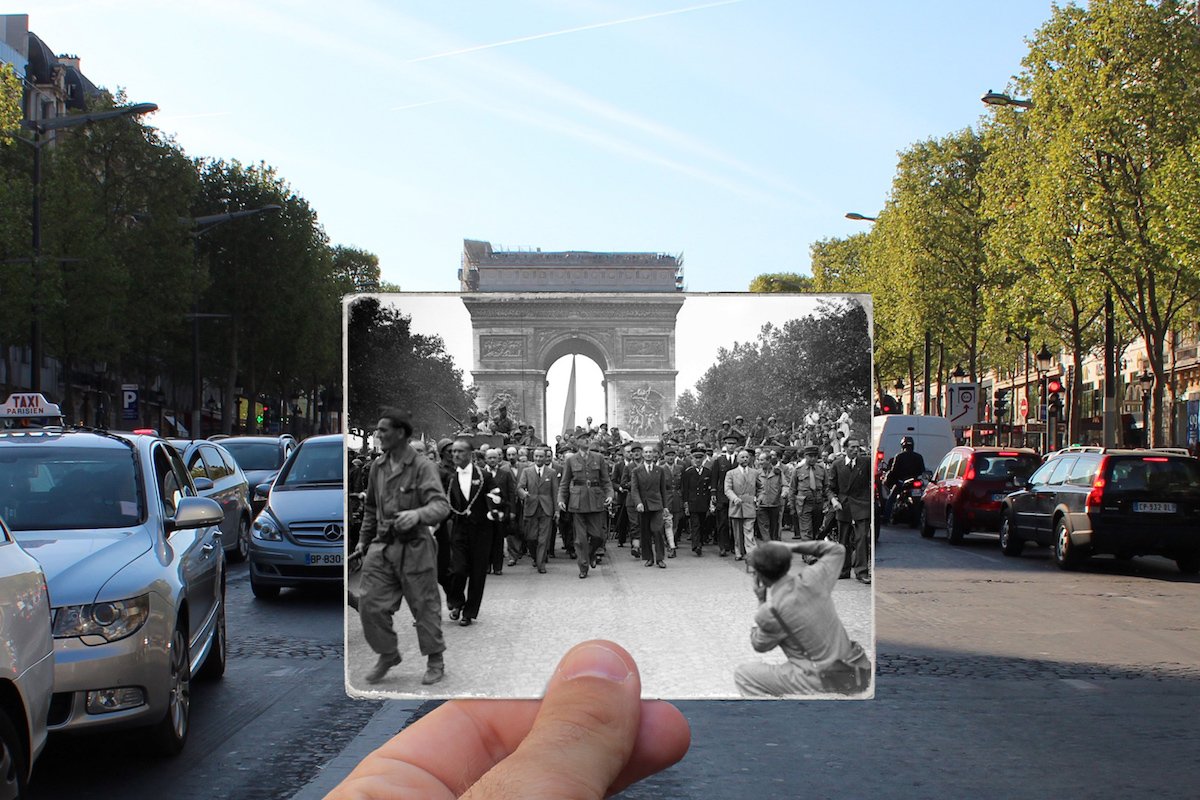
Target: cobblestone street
<point>687,626</point>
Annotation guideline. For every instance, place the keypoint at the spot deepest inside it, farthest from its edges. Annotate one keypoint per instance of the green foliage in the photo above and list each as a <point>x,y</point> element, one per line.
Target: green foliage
<point>10,103</point>
<point>814,363</point>
<point>782,282</point>
<point>390,365</point>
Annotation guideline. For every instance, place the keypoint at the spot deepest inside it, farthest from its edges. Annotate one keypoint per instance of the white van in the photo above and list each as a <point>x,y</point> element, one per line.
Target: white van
<point>932,437</point>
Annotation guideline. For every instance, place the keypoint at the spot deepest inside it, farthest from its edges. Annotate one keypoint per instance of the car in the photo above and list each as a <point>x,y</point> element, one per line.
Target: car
<point>968,487</point>
<point>230,489</point>
<point>1121,502</point>
<point>298,538</point>
<point>261,458</point>
<point>26,663</point>
<point>136,574</point>
<point>932,436</point>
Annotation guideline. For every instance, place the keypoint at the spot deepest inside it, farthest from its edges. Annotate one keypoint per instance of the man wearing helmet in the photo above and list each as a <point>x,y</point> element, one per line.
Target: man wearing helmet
<point>904,465</point>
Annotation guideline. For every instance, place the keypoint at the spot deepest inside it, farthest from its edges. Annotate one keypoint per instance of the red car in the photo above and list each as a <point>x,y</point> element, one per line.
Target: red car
<point>968,488</point>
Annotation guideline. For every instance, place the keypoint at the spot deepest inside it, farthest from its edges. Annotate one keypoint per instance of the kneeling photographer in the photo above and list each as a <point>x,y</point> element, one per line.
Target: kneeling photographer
<point>797,614</point>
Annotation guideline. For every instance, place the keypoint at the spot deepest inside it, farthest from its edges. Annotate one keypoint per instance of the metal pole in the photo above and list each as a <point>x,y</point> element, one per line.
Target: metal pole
<point>35,325</point>
<point>1110,374</point>
<point>196,393</point>
<point>928,356</point>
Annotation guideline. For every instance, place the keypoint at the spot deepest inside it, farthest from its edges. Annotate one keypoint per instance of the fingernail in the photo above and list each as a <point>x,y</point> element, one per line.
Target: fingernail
<point>594,661</point>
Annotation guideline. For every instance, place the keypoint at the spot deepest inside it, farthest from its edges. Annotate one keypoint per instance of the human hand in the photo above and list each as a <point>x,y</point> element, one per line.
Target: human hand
<point>603,736</point>
<point>406,520</point>
<point>641,507</point>
<point>562,506</point>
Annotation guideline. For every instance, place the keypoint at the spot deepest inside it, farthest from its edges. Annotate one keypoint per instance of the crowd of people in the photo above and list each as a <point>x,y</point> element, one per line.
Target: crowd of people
<point>490,505</point>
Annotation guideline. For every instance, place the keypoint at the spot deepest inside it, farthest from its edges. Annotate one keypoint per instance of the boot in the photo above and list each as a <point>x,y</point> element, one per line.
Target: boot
<point>435,669</point>
<point>385,662</point>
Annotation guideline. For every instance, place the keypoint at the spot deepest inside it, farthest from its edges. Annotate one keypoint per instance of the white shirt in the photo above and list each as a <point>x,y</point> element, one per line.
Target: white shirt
<point>464,481</point>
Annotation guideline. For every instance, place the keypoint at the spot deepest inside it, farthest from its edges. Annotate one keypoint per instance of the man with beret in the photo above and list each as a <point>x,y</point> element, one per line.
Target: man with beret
<point>399,557</point>
<point>796,613</point>
<point>586,492</point>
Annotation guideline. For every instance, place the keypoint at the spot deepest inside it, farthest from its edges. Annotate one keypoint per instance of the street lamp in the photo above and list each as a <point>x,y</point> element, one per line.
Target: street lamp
<point>1000,100</point>
<point>201,226</point>
<point>1146,379</point>
<point>857,217</point>
<point>1044,359</point>
<point>40,128</point>
<point>959,372</point>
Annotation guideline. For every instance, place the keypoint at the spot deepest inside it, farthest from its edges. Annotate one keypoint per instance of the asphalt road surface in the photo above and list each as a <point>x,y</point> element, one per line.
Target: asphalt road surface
<point>997,677</point>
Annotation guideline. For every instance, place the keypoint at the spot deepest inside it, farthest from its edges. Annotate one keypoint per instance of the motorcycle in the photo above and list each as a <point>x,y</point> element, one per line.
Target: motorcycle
<point>910,496</point>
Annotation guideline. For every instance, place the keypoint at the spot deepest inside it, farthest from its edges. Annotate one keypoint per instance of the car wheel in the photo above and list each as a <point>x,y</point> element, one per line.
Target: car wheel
<point>955,530</point>
<point>1189,564</point>
<point>261,590</point>
<point>214,663</point>
<point>1010,543</point>
<point>923,525</point>
<point>169,736</point>
<point>1066,555</point>
<point>241,550</point>
<point>12,760</point>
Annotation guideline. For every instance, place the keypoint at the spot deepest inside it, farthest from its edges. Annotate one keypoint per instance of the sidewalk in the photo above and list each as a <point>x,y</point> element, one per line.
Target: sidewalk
<point>687,626</point>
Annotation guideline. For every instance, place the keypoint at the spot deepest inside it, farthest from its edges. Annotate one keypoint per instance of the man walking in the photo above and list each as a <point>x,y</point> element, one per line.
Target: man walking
<point>851,491</point>
<point>770,494</point>
<point>697,497</point>
<point>586,492</point>
<point>720,467</point>
<point>474,509</point>
<point>538,490</point>
<point>404,498</point>
<point>648,490</point>
<point>742,487</point>
<point>809,490</point>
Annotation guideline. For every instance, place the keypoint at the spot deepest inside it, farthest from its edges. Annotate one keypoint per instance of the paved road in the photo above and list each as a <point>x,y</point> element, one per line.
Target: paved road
<point>997,677</point>
<point>688,626</point>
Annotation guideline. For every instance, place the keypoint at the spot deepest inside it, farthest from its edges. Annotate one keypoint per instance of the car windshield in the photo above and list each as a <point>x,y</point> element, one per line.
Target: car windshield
<point>1154,475</point>
<point>315,464</point>
<point>995,466</point>
<point>254,455</point>
<point>69,488</point>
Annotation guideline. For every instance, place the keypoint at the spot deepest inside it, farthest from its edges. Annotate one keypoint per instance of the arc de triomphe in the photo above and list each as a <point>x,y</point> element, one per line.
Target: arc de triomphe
<point>630,334</point>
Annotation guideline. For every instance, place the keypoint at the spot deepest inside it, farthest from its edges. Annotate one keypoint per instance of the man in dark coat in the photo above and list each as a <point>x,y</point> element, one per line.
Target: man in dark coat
<point>696,485</point>
<point>850,487</point>
<point>648,491</point>
<point>720,466</point>
<point>474,509</point>
<point>506,531</point>
<point>674,521</point>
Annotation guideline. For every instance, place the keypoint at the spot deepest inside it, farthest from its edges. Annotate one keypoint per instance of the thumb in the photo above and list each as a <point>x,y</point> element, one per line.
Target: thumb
<point>588,719</point>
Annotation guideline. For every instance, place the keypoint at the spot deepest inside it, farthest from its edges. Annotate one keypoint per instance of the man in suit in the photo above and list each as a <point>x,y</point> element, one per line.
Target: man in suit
<point>796,614</point>
<point>742,487</point>
<point>631,512</point>
<point>475,508</point>
<point>586,492</point>
<point>566,529</point>
<point>497,468</point>
<point>648,489</point>
<point>617,474</point>
<point>674,520</point>
<point>851,491</point>
<point>696,484</point>
<point>809,489</point>
<point>720,467</point>
<point>538,490</point>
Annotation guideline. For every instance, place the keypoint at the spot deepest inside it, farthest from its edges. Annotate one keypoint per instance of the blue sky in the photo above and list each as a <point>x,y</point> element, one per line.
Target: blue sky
<point>736,132</point>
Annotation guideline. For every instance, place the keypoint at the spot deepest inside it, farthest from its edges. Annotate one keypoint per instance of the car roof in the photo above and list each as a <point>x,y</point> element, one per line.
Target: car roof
<point>72,437</point>
<point>329,437</point>
<point>256,438</point>
<point>991,448</point>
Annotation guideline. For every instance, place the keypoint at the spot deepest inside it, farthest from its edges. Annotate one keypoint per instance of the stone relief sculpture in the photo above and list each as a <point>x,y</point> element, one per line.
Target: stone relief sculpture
<point>644,416</point>
<point>502,347</point>
<point>655,346</point>
<point>504,397</point>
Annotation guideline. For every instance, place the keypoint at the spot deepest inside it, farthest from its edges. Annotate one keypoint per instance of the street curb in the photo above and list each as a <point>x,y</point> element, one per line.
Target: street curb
<point>387,722</point>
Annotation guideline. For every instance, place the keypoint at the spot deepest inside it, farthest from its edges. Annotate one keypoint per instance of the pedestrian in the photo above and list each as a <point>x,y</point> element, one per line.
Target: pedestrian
<point>506,535</point>
<point>396,544</point>
<point>538,490</point>
<point>674,520</point>
<point>770,495</point>
<point>720,466</point>
<point>742,487</point>
<point>696,485</point>
<point>850,488</point>
<point>648,491</point>
<point>586,492</point>
<point>475,505</point>
<point>796,614</point>
<point>809,492</point>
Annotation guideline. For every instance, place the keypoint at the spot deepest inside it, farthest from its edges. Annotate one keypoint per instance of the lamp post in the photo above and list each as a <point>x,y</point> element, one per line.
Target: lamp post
<point>1001,100</point>
<point>857,217</point>
<point>40,128</point>
<point>1146,379</point>
<point>1044,359</point>
<point>1025,337</point>
<point>201,226</point>
<point>899,387</point>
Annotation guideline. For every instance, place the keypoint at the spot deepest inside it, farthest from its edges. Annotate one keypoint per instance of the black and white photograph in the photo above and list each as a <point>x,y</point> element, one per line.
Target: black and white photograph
<point>686,474</point>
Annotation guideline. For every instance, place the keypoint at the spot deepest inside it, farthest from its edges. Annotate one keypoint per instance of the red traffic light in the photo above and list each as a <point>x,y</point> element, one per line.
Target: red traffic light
<point>1054,386</point>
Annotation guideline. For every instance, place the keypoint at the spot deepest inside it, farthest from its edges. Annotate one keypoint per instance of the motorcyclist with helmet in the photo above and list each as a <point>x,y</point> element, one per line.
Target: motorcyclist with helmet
<point>906,464</point>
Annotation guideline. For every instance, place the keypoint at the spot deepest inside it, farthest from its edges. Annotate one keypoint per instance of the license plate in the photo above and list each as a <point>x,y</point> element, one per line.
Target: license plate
<point>323,559</point>
<point>1154,508</point>
<point>917,493</point>
<point>996,498</point>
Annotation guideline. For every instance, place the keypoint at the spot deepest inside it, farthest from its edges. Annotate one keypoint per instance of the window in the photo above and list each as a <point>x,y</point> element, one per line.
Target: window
<point>230,467</point>
<point>51,487</point>
<point>1061,470</point>
<point>171,478</point>
<point>1042,474</point>
<point>1084,471</point>
<point>943,468</point>
<point>956,467</point>
<point>212,460</point>
<point>196,466</point>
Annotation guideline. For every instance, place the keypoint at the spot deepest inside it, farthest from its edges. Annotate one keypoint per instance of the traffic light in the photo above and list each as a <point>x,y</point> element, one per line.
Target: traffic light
<point>260,414</point>
<point>1000,403</point>
<point>1054,402</point>
<point>889,405</point>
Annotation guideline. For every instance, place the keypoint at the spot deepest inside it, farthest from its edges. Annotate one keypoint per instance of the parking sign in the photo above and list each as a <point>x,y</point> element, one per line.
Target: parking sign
<point>129,401</point>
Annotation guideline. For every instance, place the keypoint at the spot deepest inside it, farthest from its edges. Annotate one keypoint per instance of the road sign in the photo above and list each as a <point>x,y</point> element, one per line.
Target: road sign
<point>129,401</point>
<point>1024,407</point>
<point>963,408</point>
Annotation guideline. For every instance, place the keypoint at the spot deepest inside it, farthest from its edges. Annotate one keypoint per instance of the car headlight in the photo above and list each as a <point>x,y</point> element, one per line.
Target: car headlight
<point>113,619</point>
<point>266,528</point>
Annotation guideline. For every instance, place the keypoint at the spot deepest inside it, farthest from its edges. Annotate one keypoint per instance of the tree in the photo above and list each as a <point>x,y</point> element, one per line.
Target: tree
<point>782,282</point>
<point>1114,117</point>
<point>390,365</point>
<point>355,270</point>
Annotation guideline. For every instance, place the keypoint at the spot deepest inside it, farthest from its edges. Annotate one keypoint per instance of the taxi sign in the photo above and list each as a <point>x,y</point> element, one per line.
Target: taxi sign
<point>28,404</point>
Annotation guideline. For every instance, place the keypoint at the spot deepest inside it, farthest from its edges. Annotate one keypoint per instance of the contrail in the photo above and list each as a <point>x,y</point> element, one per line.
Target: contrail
<point>593,26</point>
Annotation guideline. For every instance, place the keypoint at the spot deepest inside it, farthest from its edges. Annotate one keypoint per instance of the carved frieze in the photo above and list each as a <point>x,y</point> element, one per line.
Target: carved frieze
<point>645,346</point>
<point>501,347</point>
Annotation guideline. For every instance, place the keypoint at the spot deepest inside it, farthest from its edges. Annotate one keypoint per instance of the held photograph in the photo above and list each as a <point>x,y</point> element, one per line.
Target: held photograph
<point>688,475</point>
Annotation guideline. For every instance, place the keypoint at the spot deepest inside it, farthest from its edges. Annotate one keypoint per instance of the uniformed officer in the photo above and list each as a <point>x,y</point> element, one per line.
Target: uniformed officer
<point>404,498</point>
<point>586,492</point>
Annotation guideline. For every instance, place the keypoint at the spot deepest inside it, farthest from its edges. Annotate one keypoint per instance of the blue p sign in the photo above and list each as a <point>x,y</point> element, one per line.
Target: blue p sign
<point>129,401</point>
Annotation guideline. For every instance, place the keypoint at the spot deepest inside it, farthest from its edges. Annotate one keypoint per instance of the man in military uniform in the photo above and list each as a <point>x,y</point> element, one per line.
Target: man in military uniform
<point>396,544</point>
<point>809,489</point>
<point>586,492</point>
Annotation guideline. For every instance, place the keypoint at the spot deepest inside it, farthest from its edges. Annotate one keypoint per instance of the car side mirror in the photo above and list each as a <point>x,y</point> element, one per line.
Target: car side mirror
<point>203,484</point>
<point>196,512</point>
<point>262,491</point>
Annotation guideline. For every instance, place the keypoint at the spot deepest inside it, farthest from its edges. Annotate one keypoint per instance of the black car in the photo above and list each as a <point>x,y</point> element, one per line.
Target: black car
<point>260,457</point>
<point>230,489</point>
<point>1120,502</point>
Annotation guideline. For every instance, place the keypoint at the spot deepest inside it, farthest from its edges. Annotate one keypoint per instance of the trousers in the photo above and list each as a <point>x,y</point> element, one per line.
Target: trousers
<point>393,573</point>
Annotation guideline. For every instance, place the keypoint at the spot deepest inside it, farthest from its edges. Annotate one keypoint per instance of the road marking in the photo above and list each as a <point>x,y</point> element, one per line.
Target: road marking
<point>1082,685</point>
<point>1139,600</point>
<point>886,598</point>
